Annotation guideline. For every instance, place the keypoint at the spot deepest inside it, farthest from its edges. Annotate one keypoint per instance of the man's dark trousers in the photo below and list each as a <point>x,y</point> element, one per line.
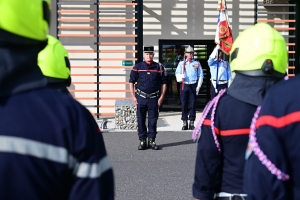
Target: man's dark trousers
<point>188,98</point>
<point>151,106</point>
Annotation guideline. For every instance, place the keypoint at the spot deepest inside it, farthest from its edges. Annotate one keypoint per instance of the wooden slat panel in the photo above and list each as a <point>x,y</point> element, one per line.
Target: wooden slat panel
<point>76,27</point>
<point>76,19</point>
<point>101,98</point>
<point>77,35</point>
<point>101,35</point>
<point>76,11</point>
<point>108,83</point>
<point>276,20</point>
<point>84,74</point>
<point>118,43</point>
<point>99,90</point>
<point>104,114</point>
<point>101,3</point>
<point>291,52</point>
<point>291,67</point>
<point>108,67</point>
<point>118,35</point>
<point>117,20</point>
<point>81,51</point>
<point>116,67</point>
<point>290,44</point>
<point>284,28</point>
<point>101,51</point>
<point>117,58</point>
<point>291,74</point>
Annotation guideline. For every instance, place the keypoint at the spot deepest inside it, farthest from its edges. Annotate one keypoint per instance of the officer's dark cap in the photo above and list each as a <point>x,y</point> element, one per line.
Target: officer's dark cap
<point>148,49</point>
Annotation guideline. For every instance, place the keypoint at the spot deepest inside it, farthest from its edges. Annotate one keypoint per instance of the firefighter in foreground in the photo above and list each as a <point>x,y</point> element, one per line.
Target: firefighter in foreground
<point>151,82</point>
<point>55,150</point>
<point>54,62</point>
<point>272,169</point>
<point>259,59</point>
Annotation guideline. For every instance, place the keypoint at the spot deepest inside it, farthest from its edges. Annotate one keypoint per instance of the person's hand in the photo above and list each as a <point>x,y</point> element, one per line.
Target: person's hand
<point>135,101</point>
<point>197,90</point>
<point>160,101</point>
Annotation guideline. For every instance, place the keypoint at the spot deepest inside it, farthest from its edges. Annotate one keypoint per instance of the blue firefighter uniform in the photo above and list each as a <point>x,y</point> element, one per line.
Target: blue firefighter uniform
<point>50,145</point>
<point>222,171</point>
<point>224,75</point>
<point>149,78</point>
<point>188,95</point>
<point>277,136</point>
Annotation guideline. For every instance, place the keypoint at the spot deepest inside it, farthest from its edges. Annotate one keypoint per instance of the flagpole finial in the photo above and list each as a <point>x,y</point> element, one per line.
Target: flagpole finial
<point>221,5</point>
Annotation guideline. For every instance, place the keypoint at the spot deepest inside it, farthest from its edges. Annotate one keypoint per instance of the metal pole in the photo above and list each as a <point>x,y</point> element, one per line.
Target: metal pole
<point>255,11</point>
<point>297,41</point>
<point>139,30</point>
<point>56,17</point>
<point>97,48</point>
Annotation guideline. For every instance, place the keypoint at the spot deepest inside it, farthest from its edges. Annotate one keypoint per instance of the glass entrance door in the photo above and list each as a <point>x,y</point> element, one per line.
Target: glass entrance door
<point>171,52</point>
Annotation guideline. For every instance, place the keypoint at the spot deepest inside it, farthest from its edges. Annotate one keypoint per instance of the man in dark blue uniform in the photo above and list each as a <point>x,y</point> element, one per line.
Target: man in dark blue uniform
<point>272,169</point>
<point>259,59</point>
<point>50,145</point>
<point>151,87</point>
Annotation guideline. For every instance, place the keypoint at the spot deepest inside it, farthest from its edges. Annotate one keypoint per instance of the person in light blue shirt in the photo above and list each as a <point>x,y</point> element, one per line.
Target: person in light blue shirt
<point>220,72</point>
<point>190,75</point>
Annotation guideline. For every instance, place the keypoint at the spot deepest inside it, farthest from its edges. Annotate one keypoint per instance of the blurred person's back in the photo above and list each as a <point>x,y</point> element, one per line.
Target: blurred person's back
<point>50,145</point>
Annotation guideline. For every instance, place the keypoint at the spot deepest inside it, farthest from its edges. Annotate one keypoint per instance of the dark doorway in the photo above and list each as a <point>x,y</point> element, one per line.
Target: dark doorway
<point>171,52</point>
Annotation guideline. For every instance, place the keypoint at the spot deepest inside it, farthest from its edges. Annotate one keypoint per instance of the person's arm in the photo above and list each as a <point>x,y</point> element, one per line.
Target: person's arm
<point>163,90</point>
<point>229,75</point>
<point>92,172</point>
<point>162,95</point>
<point>178,72</point>
<point>200,78</point>
<point>132,80</point>
<point>207,168</point>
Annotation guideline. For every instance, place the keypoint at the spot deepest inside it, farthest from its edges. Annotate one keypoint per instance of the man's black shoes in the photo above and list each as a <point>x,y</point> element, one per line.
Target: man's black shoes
<point>185,125</point>
<point>152,144</point>
<point>191,126</point>
<point>143,144</point>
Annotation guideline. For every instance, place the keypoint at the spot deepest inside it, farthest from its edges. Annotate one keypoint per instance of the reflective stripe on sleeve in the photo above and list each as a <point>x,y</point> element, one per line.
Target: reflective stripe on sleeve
<point>53,153</point>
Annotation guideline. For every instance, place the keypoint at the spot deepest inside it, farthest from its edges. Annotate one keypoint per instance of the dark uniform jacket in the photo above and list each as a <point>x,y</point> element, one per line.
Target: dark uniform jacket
<point>50,145</point>
<point>149,78</point>
<point>223,171</point>
<point>278,136</point>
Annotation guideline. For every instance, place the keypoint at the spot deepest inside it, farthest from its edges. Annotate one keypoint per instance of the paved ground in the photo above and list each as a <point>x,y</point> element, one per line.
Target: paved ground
<point>152,175</point>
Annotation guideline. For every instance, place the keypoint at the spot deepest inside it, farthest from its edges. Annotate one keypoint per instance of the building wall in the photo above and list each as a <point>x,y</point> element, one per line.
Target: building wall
<point>163,19</point>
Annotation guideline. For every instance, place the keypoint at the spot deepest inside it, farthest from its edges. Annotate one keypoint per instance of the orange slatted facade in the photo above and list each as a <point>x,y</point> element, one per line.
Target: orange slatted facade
<point>99,36</point>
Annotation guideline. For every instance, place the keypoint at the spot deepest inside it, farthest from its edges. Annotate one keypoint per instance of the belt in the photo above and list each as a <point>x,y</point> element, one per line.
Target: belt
<point>189,83</point>
<point>228,196</point>
<point>147,96</point>
<point>220,81</point>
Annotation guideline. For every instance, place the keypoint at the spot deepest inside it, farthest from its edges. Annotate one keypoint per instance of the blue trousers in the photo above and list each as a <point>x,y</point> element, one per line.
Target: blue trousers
<point>144,106</point>
<point>188,98</point>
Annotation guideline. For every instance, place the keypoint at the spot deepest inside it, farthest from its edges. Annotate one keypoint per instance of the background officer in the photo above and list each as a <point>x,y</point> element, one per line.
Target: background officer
<point>151,87</point>
<point>224,129</point>
<point>57,150</point>
<point>190,71</point>
<point>220,72</point>
<point>55,65</point>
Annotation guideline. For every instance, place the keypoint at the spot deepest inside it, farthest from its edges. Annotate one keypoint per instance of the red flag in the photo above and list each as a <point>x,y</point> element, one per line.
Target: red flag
<point>224,33</point>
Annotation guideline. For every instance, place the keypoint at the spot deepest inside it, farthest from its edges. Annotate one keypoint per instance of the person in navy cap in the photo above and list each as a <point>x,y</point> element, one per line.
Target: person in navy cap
<point>151,87</point>
<point>190,76</point>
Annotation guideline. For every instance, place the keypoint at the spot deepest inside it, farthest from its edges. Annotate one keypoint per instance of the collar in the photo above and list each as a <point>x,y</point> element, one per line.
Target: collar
<point>149,63</point>
<point>250,89</point>
<point>19,70</point>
